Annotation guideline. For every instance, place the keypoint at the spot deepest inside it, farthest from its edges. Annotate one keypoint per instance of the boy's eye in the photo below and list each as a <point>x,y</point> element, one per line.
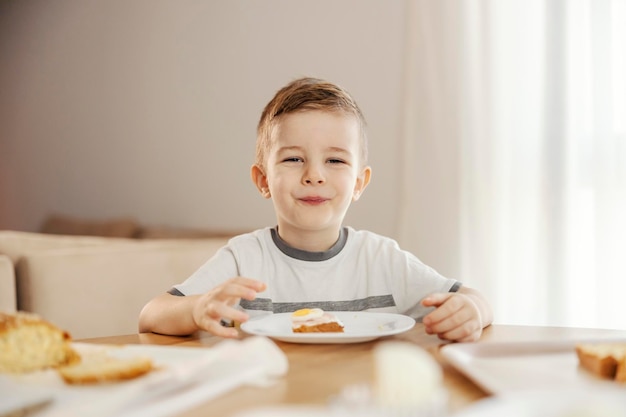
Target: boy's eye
<point>336,161</point>
<point>293,159</point>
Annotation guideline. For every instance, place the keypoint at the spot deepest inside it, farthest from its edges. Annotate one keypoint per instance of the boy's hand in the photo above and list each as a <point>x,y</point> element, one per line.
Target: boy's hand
<point>218,303</point>
<point>456,317</point>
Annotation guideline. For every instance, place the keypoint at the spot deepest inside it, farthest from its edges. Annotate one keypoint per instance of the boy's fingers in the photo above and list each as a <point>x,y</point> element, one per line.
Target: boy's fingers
<point>436,299</point>
<point>232,292</point>
<point>224,311</point>
<point>240,287</point>
<point>216,328</point>
<point>464,332</point>
<point>221,304</point>
<point>215,313</point>
<point>251,283</point>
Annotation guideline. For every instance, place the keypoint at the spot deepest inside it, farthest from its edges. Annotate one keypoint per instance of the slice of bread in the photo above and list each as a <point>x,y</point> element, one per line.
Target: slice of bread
<point>332,327</point>
<point>28,343</point>
<point>315,320</point>
<point>97,369</point>
<point>606,360</point>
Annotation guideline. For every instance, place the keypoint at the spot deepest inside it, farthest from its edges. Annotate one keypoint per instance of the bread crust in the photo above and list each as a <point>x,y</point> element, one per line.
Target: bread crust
<point>605,360</point>
<point>28,343</point>
<point>107,369</point>
<point>10,322</point>
<point>333,327</point>
<point>620,374</point>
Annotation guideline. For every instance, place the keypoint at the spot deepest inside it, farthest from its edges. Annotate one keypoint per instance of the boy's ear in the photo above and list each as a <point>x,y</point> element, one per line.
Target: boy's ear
<point>260,180</point>
<point>361,182</point>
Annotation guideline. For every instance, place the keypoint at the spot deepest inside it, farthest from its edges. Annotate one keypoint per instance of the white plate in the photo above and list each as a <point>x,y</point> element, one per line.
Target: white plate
<point>359,326</point>
<point>551,403</point>
<point>17,399</point>
<point>504,368</point>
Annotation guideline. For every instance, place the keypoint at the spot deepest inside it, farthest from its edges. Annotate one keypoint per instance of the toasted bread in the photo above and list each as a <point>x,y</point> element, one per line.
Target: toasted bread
<point>95,370</point>
<point>605,360</point>
<point>315,320</point>
<point>28,343</point>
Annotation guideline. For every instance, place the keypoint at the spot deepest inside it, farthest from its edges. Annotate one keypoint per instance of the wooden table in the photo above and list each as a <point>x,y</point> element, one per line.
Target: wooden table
<point>325,369</point>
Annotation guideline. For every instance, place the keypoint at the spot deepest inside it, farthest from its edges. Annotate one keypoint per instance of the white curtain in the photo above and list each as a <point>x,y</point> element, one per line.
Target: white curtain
<point>515,154</point>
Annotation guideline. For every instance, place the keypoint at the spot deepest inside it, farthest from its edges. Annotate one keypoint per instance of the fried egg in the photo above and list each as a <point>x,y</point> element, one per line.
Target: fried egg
<point>306,314</point>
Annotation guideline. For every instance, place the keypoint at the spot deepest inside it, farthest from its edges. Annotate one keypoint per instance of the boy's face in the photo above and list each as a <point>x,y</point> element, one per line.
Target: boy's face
<point>313,172</point>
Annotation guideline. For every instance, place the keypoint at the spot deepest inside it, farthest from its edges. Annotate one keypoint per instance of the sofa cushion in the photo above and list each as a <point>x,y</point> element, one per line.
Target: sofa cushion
<point>100,291</point>
<point>64,225</point>
<point>166,232</point>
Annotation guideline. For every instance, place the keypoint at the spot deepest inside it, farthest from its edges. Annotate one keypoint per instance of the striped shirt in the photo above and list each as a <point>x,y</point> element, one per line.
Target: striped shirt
<point>362,271</point>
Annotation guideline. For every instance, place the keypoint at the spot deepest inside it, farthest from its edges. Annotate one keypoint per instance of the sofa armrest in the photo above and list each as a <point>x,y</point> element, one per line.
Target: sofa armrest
<point>8,302</point>
<point>100,291</point>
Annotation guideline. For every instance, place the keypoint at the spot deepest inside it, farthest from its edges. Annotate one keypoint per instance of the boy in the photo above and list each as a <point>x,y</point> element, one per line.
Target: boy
<point>311,160</point>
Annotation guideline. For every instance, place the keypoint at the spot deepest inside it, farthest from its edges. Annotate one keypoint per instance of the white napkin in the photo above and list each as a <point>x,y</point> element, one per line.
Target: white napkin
<point>182,383</point>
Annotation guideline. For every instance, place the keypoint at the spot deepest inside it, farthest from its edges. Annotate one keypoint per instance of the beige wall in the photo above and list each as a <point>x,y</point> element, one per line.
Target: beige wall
<point>148,108</point>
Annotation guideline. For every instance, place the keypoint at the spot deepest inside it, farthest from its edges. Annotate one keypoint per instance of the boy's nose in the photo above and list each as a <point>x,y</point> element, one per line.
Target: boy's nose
<point>313,176</point>
<point>312,181</point>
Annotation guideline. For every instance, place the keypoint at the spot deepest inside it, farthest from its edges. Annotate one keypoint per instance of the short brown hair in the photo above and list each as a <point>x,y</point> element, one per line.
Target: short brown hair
<point>305,94</point>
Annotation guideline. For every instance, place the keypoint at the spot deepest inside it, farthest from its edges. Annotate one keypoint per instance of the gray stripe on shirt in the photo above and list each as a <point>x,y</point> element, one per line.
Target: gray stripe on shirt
<point>266,304</point>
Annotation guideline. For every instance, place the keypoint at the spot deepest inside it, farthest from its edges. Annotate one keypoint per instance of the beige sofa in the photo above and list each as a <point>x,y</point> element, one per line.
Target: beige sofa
<point>93,286</point>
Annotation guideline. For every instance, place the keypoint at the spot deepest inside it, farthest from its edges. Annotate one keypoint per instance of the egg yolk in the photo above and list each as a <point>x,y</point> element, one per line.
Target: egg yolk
<point>302,312</point>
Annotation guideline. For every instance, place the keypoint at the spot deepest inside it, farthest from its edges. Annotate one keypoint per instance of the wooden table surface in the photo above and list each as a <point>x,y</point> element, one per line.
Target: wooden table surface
<point>327,368</point>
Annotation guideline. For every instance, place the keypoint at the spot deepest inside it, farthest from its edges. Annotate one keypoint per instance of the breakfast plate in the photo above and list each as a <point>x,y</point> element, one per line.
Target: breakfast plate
<point>183,377</point>
<point>20,399</point>
<point>507,368</point>
<point>359,326</point>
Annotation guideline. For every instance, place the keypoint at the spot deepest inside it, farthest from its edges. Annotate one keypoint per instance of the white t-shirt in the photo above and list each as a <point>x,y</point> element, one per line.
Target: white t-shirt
<point>362,271</point>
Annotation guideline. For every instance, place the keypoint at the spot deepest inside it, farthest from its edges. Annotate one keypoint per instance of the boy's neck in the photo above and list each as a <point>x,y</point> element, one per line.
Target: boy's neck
<point>310,241</point>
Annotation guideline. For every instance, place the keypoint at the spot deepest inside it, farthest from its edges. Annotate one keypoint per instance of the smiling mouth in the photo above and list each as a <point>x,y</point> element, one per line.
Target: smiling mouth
<point>314,200</point>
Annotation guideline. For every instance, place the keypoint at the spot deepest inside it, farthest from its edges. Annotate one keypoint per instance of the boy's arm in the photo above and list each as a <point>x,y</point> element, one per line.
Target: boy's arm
<point>169,314</point>
<point>183,315</point>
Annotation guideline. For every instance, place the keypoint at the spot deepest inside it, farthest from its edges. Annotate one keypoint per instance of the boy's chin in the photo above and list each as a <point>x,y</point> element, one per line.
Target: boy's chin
<point>312,226</point>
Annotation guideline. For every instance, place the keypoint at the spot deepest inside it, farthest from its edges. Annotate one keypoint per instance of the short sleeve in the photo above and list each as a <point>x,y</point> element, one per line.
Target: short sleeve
<point>216,270</point>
